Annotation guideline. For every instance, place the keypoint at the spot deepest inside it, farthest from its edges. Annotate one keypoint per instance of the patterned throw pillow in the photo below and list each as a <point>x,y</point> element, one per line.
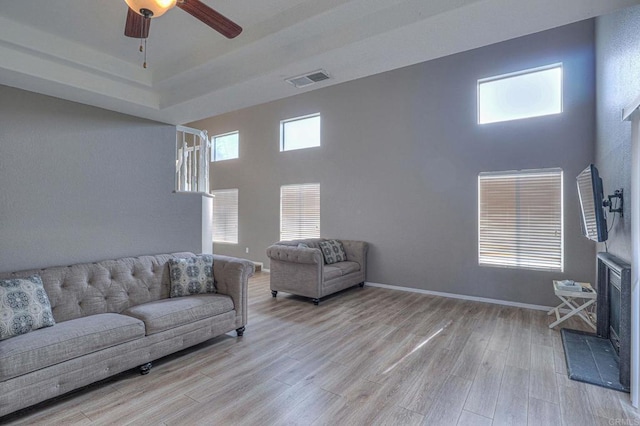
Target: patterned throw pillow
<point>332,251</point>
<point>193,275</point>
<point>24,306</point>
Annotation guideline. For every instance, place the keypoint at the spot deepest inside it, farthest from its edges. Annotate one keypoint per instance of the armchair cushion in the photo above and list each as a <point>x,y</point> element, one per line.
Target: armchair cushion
<point>331,272</point>
<point>339,269</point>
<point>332,251</point>
<point>347,267</point>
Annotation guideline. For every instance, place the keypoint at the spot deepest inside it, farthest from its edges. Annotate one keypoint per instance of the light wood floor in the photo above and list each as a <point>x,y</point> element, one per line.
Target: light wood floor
<point>363,357</point>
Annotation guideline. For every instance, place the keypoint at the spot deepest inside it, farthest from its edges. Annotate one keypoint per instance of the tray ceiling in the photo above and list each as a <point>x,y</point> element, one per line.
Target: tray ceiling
<point>76,50</point>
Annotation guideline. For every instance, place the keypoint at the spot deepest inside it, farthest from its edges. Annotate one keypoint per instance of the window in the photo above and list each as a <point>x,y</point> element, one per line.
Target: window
<point>225,216</point>
<point>530,93</point>
<point>520,219</point>
<point>225,147</point>
<point>300,132</point>
<point>300,211</point>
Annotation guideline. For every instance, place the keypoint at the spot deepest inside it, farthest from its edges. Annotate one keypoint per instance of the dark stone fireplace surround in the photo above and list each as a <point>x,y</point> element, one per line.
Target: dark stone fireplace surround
<point>611,271</point>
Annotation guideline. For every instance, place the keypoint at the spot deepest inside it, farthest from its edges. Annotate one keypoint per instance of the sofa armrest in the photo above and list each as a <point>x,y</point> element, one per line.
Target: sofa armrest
<point>356,251</point>
<point>295,254</point>
<point>232,278</point>
<point>296,270</point>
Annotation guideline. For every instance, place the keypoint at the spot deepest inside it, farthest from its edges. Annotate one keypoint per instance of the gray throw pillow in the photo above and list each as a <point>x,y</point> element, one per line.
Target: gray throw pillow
<point>24,306</point>
<point>332,251</point>
<point>193,275</point>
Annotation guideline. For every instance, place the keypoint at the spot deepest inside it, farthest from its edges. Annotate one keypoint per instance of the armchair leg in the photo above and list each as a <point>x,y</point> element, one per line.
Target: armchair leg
<point>240,331</point>
<point>274,293</point>
<point>146,368</point>
<point>316,301</point>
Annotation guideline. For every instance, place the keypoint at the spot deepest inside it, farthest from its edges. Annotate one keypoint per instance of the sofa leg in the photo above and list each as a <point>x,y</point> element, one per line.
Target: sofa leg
<point>146,368</point>
<point>274,293</point>
<point>240,331</point>
<point>361,284</point>
<point>316,301</point>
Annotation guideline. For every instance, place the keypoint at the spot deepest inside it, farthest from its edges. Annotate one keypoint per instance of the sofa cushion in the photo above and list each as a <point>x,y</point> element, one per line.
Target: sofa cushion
<point>193,275</point>
<point>24,306</point>
<point>347,267</point>
<point>169,313</point>
<point>69,339</point>
<point>332,251</point>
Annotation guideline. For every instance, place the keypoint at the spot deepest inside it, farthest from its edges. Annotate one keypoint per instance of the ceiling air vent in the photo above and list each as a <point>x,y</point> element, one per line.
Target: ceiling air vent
<point>308,79</point>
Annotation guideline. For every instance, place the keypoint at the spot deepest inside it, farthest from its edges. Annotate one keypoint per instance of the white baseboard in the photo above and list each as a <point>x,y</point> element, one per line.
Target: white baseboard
<point>462,296</point>
<point>266,270</point>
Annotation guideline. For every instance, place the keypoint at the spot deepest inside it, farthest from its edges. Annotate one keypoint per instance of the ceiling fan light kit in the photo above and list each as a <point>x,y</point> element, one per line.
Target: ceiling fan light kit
<point>150,8</point>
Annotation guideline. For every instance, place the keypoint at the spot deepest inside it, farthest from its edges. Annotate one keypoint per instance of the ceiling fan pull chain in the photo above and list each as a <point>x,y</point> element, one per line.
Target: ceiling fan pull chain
<point>141,34</point>
<point>143,39</point>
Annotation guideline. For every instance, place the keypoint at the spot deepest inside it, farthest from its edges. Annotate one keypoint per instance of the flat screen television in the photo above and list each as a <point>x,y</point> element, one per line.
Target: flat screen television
<point>594,221</point>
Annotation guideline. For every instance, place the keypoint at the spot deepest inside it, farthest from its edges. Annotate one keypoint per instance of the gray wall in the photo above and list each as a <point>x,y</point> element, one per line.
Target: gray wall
<point>80,183</point>
<point>400,156</point>
<point>618,85</point>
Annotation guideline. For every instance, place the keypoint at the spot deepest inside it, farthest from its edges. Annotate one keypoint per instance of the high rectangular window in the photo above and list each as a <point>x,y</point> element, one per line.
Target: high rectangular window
<point>225,216</point>
<point>520,219</point>
<point>225,147</point>
<point>299,211</point>
<point>300,132</point>
<point>530,93</point>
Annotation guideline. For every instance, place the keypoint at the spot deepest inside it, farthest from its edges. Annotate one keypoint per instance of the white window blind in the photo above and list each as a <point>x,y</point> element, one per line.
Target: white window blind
<point>521,219</point>
<point>225,216</point>
<point>300,211</point>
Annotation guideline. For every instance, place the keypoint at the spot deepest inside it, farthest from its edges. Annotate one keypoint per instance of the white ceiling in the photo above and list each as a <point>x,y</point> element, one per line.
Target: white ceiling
<point>76,50</point>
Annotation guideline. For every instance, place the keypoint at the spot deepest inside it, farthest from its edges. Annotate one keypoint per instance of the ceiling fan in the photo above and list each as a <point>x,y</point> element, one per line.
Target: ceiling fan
<point>141,11</point>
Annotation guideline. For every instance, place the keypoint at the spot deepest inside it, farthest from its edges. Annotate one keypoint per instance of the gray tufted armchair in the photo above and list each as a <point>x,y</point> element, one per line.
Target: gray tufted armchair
<point>302,270</point>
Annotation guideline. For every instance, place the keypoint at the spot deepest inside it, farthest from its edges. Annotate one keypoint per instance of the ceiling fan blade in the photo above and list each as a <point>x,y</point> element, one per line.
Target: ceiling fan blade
<point>215,20</point>
<point>137,26</point>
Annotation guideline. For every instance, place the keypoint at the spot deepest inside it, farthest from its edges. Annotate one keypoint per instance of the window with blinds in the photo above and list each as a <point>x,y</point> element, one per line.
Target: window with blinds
<point>520,219</point>
<point>225,216</point>
<point>300,211</point>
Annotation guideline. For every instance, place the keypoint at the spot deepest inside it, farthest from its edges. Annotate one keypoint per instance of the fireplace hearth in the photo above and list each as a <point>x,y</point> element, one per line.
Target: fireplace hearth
<point>603,358</point>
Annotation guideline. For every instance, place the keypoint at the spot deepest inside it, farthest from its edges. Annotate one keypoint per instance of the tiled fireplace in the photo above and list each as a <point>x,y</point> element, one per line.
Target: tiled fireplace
<point>614,308</point>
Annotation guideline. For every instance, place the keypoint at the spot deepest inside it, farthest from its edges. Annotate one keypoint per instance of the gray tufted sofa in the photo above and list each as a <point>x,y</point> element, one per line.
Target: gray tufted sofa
<point>112,316</point>
<point>302,271</point>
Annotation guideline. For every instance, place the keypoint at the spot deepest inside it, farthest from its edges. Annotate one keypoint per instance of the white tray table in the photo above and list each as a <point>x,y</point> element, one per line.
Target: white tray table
<point>576,301</point>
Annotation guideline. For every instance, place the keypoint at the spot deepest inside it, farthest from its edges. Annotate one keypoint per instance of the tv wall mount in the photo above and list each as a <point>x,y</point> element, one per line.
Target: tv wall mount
<point>608,203</point>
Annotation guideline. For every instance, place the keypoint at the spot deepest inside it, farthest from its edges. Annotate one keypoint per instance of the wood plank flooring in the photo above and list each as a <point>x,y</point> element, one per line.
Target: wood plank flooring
<point>368,356</point>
